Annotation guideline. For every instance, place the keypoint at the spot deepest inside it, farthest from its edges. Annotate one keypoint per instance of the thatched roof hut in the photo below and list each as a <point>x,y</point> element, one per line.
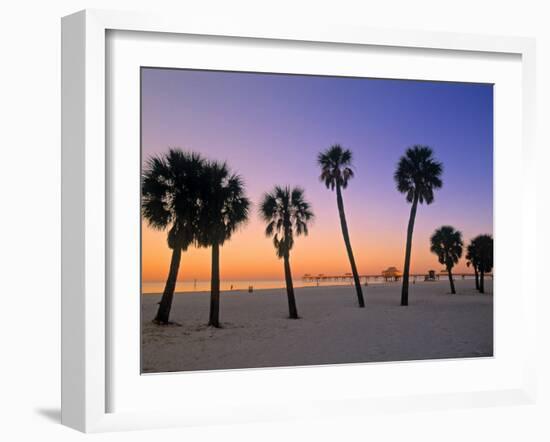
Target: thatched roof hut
<point>391,273</point>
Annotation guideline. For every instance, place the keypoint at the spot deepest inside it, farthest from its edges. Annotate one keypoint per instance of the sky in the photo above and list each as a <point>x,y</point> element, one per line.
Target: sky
<point>270,128</point>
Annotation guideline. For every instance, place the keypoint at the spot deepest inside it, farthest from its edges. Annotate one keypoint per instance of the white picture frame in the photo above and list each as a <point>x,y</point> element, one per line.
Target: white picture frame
<point>85,310</point>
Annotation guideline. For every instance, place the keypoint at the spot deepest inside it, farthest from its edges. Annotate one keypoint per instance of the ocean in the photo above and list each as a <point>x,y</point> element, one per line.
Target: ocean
<point>228,285</point>
<point>150,287</point>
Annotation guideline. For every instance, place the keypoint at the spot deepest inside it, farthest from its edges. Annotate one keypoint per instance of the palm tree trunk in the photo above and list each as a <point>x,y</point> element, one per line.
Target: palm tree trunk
<point>481,281</point>
<point>165,304</point>
<point>292,310</point>
<point>345,234</point>
<point>406,267</point>
<point>477,277</point>
<point>214,320</point>
<point>449,272</point>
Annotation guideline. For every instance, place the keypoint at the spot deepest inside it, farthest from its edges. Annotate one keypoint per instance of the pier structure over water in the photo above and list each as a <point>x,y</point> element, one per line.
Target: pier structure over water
<point>348,277</point>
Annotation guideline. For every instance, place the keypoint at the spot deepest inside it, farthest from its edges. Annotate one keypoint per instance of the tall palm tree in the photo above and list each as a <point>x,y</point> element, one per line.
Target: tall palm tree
<point>287,214</point>
<point>446,243</point>
<point>224,208</point>
<point>472,260</point>
<point>484,247</point>
<point>336,171</point>
<point>170,186</point>
<point>417,175</point>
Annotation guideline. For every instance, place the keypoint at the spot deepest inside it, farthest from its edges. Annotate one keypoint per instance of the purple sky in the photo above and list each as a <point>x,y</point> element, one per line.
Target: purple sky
<point>271,127</point>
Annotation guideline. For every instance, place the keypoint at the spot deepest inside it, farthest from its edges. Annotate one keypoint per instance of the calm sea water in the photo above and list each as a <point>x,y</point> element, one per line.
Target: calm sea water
<point>242,285</point>
<point>227,285</point>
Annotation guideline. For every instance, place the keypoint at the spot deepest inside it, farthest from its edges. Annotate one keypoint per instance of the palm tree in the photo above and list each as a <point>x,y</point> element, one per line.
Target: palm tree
<point>224,208</point>
<point>287,214</point>
<point>170,186</point>
<point>336,171</point>
<point>484,247</point>
<point>446,243</point>
<point>472,260</point>
<point>417,175</point>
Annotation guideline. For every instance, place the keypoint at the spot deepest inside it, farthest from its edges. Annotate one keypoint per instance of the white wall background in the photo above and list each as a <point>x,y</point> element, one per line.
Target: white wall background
<point>30,213</point>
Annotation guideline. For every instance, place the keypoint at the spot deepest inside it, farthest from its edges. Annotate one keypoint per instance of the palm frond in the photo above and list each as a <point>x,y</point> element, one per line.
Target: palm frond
<point>480,252</point>
<point>446,243</point>
<point>170,185</point>
<point>224,204</point>
<point>336,166</point>
<point>287,213</point>
<point>418,174</point>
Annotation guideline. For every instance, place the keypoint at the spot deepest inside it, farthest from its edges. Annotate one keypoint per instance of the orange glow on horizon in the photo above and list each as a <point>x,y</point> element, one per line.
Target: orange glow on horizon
<point>250,254</point>
<point>270,129</point>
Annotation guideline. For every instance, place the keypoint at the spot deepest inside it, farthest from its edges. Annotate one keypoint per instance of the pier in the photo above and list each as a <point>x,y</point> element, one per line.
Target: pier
<point>348,277</point>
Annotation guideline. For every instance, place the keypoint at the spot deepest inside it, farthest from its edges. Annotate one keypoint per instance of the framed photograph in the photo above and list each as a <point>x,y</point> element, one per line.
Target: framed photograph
<point>285,222</point>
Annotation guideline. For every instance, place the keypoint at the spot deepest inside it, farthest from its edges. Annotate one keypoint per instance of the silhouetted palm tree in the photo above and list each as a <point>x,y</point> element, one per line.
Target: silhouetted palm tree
<point>417,175</point>
<point>484,248</point>
<point>336,171</point>
<point>446,243</point>
<point>170,186</point>
<point>472,260</point>
<point>224,208</point>
<point>286,213</point>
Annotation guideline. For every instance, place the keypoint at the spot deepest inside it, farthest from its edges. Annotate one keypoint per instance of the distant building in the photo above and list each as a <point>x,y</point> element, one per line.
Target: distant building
<point>391,274</point>
<point>431,275</point>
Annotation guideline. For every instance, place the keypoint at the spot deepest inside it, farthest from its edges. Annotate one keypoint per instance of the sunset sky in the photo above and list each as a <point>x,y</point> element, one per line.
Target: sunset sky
<point>270,128</point>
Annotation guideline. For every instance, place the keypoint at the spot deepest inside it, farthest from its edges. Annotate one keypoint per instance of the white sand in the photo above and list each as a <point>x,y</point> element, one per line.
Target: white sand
<point>257,333</point>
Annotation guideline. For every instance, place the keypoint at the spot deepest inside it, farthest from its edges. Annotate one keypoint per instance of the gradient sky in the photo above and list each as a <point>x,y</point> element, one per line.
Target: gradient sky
<point>270,128</point>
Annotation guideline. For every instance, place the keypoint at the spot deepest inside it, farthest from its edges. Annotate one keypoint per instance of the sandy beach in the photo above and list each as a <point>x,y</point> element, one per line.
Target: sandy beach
<point>257,332</point>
